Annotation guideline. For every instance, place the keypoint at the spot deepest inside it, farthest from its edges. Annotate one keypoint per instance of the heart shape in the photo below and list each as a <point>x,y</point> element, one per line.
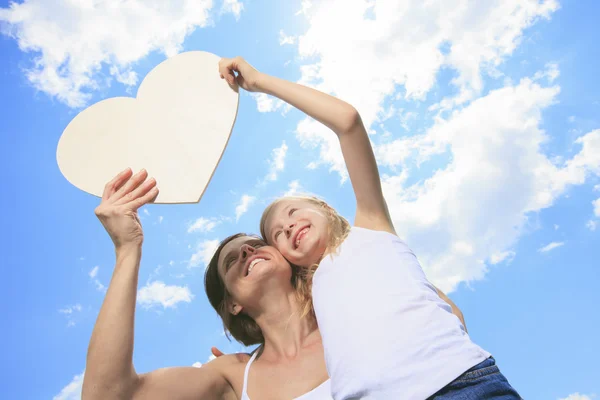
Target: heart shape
<point>176,128</point>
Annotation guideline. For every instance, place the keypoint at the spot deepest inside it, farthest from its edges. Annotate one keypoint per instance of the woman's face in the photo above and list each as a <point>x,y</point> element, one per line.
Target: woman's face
<point>248,268</point>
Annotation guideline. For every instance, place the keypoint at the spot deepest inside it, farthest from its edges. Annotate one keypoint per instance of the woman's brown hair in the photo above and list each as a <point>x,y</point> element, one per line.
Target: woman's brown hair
<point>243,328</point>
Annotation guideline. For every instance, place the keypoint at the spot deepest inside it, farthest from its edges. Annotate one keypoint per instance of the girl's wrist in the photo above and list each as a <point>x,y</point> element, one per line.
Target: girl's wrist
<point>262,82</point>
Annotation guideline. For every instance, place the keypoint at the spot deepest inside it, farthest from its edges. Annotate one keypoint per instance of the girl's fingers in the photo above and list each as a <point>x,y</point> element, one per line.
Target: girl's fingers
<point>111,187</point>
<point>227,66</point>
<point>145,199</point>
<point>133,182</point>
<point>138,192</point>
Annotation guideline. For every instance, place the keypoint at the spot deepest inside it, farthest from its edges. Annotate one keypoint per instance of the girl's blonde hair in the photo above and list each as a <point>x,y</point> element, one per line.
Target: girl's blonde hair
<point>339,227</point>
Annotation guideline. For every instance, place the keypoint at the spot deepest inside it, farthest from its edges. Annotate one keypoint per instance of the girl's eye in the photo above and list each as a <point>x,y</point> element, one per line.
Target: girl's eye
<point>277,234</point>
<point>292,210</point>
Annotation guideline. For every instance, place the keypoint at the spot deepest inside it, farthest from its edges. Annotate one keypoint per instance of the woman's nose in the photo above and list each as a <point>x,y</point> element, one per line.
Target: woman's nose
<point>247,250</point>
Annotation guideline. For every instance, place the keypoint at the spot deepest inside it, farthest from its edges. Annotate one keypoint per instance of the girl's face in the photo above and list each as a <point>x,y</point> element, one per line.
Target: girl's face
<point>248,266</point>
<point>299,229</point>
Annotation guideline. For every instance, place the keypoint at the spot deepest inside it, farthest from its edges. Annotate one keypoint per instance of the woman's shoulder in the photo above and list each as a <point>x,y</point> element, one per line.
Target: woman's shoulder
<point>229,361</point>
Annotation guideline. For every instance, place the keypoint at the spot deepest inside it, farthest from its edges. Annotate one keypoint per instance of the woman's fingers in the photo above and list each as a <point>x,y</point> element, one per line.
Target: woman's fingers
<point>111,187</point>
<point>129,186</point>
<point>216,352</point>
<point>149,197</point>
<point>138,192</point>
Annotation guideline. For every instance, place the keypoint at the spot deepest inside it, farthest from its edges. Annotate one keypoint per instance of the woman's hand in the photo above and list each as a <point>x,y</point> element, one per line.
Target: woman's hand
<point>247,76</point>
<point>118,209</point>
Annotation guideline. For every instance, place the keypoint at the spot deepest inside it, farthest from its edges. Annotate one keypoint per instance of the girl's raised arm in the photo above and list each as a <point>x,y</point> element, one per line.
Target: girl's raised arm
<point>342,119</point>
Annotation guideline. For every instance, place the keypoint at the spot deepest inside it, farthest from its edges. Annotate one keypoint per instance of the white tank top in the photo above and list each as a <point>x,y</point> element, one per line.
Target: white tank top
<point>321,392</point>
<point>386,332</point>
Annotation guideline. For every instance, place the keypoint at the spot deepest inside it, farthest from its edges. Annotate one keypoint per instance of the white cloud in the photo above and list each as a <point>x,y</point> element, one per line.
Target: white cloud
<point>496,163</point>
<point>497,258</point>
<point>266,103</point>
<point>94,272</point>
<point>203,225</point>
<point>294,188</point>
<point>197,364</point>
<point>477,37</point>
<point>556,227</point>
<point>245,202</point>
<point>146,211</point>
<point>157,293</point>
<point>204,252</point>
<point>70,309</point>
<point>73,390</point>
<point>70,313</point>
<point>550,246</point>
<point>551,73</point>
<point>234,7</point>
<point>284,39</point>
<point>160,219</point>
<point>596,204</point>
<point>99,286</point>
<point>591,225</point>
<point>211,357</point>
<point>277,162</point>
<point>577,396</point>
<point>75,44</point>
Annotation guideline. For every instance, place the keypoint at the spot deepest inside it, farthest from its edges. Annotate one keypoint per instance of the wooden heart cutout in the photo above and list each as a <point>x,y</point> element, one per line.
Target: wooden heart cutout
<point>176,128</point>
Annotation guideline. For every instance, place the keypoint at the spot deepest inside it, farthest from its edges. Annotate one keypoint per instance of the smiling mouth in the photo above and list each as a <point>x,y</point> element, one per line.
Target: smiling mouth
<point>300,235</point>
<point>253,263</point>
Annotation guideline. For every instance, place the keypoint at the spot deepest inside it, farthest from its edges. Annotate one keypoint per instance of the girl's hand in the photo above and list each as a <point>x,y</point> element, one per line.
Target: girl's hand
<point>118,209</point>
<point>247,76</point>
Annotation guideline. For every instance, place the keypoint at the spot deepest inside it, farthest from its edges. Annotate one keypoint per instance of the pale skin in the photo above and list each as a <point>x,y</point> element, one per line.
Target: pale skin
<point>292,355</point>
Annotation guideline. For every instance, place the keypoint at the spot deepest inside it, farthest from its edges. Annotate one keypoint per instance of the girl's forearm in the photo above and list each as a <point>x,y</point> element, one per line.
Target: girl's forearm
<point>109,371</point>
<point>332,112</point>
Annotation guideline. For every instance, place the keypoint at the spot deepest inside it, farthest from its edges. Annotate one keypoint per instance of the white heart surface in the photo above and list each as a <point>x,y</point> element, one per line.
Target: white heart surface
<point>176,128</point>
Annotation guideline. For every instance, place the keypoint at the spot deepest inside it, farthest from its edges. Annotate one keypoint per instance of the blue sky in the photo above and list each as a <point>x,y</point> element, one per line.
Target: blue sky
<point>483,116</point>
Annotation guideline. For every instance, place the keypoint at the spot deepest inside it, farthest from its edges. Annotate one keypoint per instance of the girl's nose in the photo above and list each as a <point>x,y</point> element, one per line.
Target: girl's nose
<point>288,230</point>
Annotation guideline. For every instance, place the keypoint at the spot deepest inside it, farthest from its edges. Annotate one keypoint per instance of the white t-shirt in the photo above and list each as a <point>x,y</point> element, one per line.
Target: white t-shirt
<point>386,332</point>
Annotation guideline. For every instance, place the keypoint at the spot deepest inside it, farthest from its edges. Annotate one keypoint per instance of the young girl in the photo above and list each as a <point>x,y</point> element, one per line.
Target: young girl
<point>368,287</point>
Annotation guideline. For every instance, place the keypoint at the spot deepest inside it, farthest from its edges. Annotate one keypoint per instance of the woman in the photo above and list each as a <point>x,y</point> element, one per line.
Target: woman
<point>267,306</point>
<point>262,306</point>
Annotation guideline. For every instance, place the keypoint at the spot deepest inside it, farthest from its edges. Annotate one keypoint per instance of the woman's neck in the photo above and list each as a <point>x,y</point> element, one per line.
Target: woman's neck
<point>285,331</point>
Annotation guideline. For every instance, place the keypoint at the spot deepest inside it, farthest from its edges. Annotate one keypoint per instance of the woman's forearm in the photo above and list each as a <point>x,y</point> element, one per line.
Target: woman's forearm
<point>109,371</point>
<point>332,112</point>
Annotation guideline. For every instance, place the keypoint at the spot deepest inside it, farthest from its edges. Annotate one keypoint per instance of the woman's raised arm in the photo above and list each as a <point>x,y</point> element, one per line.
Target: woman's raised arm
<point>110,373</point>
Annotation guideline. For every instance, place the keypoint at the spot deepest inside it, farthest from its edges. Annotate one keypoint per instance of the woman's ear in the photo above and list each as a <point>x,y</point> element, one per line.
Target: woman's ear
<point>235,309</point>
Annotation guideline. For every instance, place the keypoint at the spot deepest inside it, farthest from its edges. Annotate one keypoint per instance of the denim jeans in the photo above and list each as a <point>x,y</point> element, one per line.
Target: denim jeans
<point>483,381</point>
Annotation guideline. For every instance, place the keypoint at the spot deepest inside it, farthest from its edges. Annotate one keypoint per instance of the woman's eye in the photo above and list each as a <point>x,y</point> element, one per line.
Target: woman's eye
<point>257,245</point>
<point>229,262</point>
